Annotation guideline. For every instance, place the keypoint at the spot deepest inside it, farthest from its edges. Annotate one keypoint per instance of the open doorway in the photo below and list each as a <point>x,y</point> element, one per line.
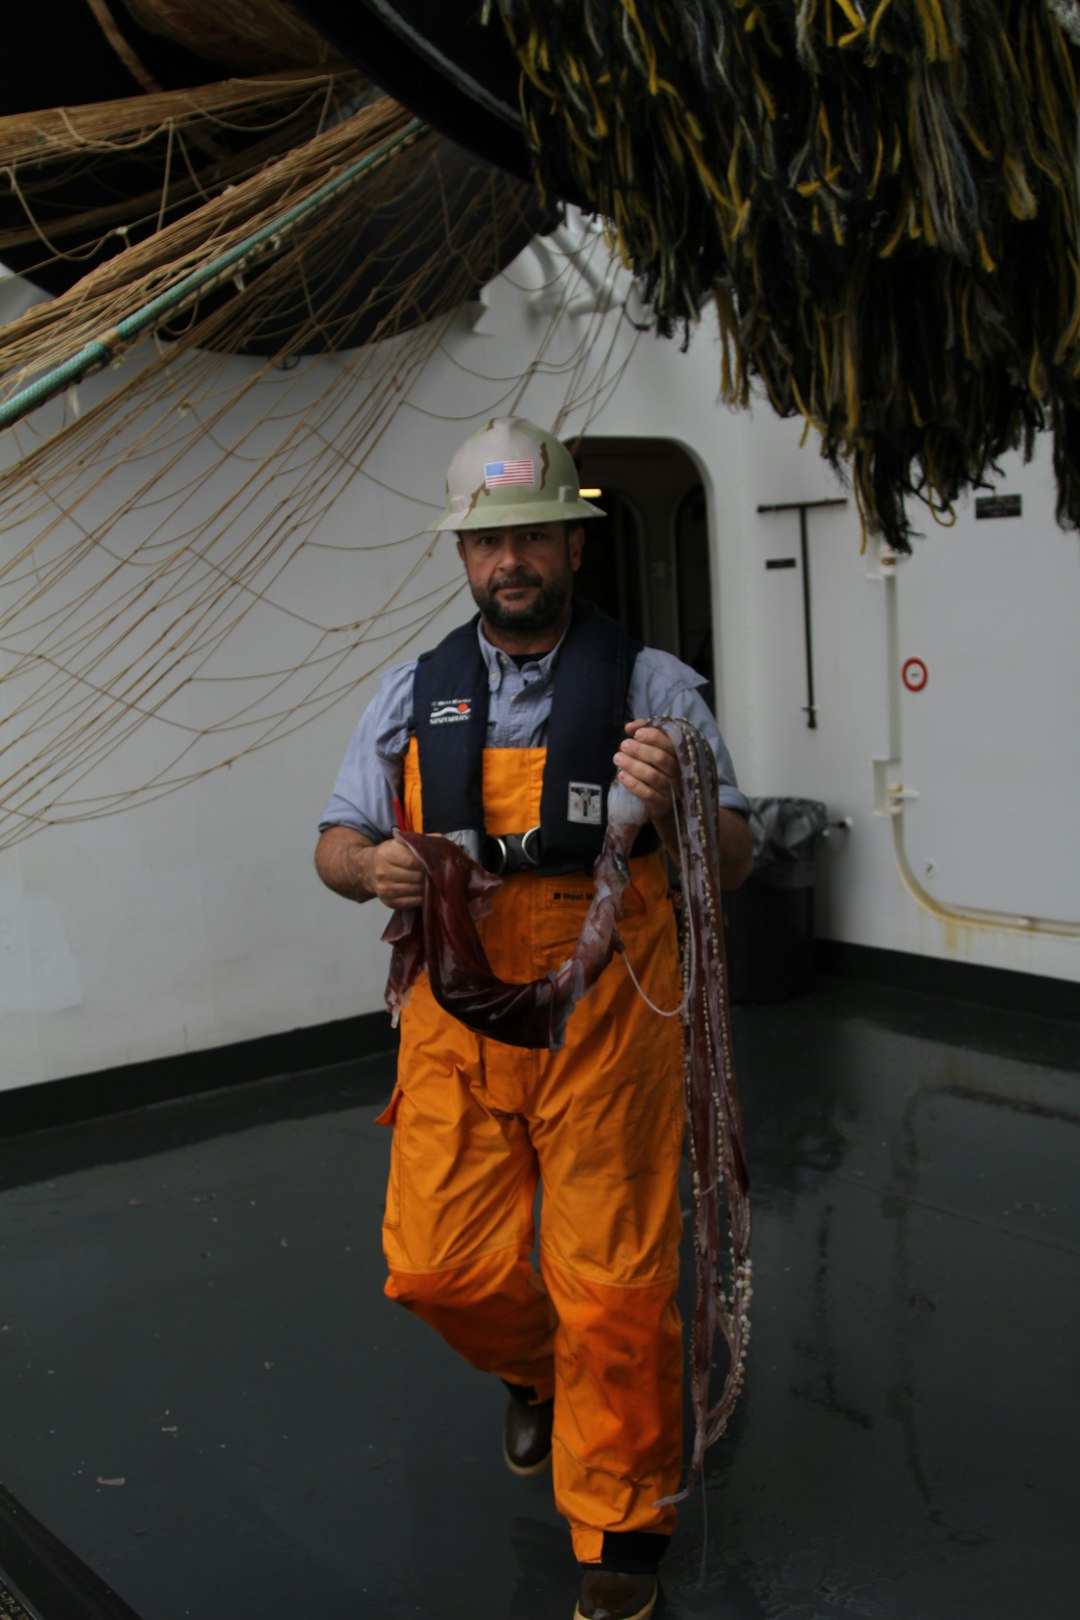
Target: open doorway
<point>647,561</point>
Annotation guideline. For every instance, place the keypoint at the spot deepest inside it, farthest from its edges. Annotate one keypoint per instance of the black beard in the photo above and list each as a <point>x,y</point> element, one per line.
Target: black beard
<point>544,610</point>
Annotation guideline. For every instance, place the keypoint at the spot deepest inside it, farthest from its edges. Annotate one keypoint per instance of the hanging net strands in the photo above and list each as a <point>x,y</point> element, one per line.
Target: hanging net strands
<point>104,126</point>
<point>162,516</point>
<point>881,198</point>
<point>249,35</point>
<point>160,538</point>
<point>229,263</point>
<point>78,184</point>
<point>169,271</point>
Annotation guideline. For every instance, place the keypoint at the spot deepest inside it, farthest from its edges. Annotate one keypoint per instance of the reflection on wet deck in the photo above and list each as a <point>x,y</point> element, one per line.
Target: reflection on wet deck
<point>191,1310</point>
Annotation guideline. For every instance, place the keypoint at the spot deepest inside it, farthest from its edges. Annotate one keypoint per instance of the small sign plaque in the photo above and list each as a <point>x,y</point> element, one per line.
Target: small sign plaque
<point>998,506</point>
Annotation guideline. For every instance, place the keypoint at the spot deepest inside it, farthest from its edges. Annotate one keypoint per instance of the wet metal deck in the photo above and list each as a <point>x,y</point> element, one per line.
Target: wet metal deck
<point>206,1397</point>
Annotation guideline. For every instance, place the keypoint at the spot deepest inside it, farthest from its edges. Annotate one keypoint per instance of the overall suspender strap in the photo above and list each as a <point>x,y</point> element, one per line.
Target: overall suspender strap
<point>585,729</point>
<point>450,710</point>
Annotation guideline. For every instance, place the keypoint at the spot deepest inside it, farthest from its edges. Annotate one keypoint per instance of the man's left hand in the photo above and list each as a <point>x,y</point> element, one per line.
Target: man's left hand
<point>649,766</point>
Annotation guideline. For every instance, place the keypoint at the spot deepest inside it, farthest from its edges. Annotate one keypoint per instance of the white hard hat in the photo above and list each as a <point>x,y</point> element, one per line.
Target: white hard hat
<point>512,472</point>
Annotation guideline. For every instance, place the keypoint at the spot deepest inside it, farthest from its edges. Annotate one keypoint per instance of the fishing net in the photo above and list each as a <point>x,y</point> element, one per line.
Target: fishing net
<point>246,35</point>
<point>85,184</point>
<point>879,195</point>
<point>285,212</point>
<point>166,530</point>
<point>165,514</point>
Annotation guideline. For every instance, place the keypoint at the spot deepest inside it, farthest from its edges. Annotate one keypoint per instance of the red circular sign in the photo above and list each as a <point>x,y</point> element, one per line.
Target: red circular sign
<point>914,674</point>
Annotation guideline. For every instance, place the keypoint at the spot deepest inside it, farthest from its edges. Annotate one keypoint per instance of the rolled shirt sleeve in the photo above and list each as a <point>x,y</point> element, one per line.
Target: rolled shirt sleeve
<point>370,776</point>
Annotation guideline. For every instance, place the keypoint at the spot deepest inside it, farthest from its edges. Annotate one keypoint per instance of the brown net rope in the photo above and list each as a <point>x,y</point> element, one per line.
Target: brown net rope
<point>85,183</point>
<point>102,126</point>
<point>94,307</point>
<point>249,35</point>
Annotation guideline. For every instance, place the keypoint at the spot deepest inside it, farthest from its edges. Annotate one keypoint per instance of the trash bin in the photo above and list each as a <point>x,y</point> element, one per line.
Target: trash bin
<point>769,922</point>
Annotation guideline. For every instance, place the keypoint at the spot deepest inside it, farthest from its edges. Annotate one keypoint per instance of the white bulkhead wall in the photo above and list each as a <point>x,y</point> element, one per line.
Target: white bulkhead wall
<point>197,920</point>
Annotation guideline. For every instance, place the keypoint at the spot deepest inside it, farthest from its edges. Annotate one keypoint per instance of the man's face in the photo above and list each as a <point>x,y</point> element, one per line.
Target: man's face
<point>521,578</point>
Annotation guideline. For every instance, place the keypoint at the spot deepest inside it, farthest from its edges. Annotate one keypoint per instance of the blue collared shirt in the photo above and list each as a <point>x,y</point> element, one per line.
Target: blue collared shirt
<point>519,705</point>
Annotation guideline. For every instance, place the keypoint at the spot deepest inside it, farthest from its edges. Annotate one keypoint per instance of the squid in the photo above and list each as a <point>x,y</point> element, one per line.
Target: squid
<point>442,936</point>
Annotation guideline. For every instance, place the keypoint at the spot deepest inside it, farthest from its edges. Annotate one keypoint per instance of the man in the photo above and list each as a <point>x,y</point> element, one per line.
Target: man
<point>506,738</point>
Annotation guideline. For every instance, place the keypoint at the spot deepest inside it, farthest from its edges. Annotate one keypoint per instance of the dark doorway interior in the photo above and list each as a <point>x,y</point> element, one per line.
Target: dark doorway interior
<point>647,562</point>
<point>612,567</point>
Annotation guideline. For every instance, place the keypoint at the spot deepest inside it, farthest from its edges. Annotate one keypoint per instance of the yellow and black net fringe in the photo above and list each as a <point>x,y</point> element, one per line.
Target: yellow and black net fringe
<point>881,196</point>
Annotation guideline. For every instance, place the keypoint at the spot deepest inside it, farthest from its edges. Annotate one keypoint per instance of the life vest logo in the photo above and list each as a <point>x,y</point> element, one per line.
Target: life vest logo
<point>450,711</point>
<point>585,801</point>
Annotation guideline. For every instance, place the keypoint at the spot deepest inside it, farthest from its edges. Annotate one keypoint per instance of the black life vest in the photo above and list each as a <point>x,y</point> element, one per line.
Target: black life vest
<point>588,712</point>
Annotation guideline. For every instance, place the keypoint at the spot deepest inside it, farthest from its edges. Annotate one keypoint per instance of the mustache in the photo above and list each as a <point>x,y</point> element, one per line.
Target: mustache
<point>514,579</point>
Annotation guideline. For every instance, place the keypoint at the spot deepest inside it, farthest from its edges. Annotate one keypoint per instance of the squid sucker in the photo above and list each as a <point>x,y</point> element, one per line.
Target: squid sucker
<point>442,936</point>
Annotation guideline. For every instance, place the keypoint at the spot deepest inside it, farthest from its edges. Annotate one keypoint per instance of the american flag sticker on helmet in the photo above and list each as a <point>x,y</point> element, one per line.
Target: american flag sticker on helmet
<point>497,473</point>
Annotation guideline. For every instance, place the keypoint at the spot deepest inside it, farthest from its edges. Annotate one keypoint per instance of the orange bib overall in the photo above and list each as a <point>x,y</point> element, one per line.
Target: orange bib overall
<point>477,1125</point>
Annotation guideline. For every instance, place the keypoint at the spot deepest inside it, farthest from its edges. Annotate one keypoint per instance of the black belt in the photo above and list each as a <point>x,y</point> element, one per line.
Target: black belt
<point>503,855</point>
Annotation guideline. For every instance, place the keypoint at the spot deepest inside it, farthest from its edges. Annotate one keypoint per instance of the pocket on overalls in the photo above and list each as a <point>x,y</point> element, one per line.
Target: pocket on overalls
<point>392,1212</point>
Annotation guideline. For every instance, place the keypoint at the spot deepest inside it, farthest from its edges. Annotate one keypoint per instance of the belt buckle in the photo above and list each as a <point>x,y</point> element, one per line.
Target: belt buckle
<point>516,852</point>
<point>531,857</point>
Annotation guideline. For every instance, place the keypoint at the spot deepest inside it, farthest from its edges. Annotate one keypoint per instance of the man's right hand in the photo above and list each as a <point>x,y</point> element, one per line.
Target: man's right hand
<point>361,869</point>
<point>394,875</point>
